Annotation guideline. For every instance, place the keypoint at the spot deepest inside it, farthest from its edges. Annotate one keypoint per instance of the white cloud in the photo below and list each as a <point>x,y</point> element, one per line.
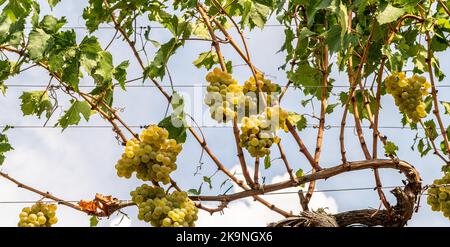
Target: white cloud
<point>247,213</point>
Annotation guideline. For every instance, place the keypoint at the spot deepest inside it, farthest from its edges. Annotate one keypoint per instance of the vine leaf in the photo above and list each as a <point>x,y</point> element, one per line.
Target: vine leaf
<point>51,24</point>
<point>267,163</point>
<point>254,13</point>
<point>390,148</point>
<point>390,14</point>
<point>38,43</point>
<point>103,72</point>
<point>308,78</point>
<point>157,69</point>
<point>430,129</point>
<point>446,106</point>
<point>194,192</point>
<point>200,30</point>
<point>4,145</point>
<point>330,108</point>
<point>120,73</point>
<point>36,103</point>
<point>299,173</point>
<point>93,221</point>
<point>176,124</point>
<point>207,60</point>
<point>89,48</point>
<point>88,206</point>
<point>53,3</point>
<point>208,181</point>
<point>177,133</point>
<point>72,116</point>
<point>5,71</point>
<point>423,150</point>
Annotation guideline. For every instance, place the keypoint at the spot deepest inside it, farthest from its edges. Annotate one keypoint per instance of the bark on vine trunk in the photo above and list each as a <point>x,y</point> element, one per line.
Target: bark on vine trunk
<point>407,199</point>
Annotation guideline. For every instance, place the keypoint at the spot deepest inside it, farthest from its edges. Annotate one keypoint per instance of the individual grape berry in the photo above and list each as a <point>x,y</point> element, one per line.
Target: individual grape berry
<point>164,210</point>
<point>38,215</point>
<point>153,157</point>
<point>409,94</point>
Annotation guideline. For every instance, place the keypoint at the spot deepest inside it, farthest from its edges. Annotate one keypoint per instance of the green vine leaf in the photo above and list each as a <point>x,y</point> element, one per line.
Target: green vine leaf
<point>194,192</point>
<point>157,69</point>
<point>93,221</point>
<point>308,79</point>
<point>390,14</point>
<point>267,162</point>
<point>390,148</point>
<point>36,103</point>
<point>39,43</point>
<point>207,60</point>
<point>120,73</point>
<point>72,116</point>
<point>208,181</point>
<point>176,132</point>
<point>446,106</point>
<point>176,124</point>
<point>89,49</point>
<point>53,3</point>
<point>4,145</point>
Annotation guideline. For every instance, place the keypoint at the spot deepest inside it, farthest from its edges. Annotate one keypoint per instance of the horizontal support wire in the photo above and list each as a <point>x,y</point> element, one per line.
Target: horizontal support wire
<point>266,194</point>
<point>142,27</point>
<point>175,86</point>
<point>196,127</point>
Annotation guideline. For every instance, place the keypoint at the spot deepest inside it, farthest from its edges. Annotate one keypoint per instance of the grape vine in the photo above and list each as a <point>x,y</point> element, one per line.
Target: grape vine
<point>383,48</point>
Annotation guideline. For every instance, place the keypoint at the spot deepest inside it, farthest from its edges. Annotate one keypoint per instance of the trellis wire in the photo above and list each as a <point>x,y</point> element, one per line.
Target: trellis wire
<point>266,194</point>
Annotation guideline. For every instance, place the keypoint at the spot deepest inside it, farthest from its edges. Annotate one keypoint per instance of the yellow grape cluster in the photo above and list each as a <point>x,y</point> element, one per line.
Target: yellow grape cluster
<point>227,99</point>
<point>258,133</point>
<point>439,196</point>
<point>164,210</point>
<point>38,215</point>
<point>152,157</point>
<point>408,94</point>
<point>222,92</point>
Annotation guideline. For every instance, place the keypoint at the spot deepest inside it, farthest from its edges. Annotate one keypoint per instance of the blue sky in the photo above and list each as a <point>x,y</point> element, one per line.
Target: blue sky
<point>78,163</point>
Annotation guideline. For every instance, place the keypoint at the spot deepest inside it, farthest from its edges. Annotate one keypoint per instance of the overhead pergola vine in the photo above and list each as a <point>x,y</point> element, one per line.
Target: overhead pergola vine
<point>386,49</point>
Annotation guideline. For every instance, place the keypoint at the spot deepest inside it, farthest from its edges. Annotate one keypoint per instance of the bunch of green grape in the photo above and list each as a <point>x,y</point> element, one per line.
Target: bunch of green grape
<point>152,157</point>
<point>223,93</point>
<point>38,215</point>
<point>439,195</point>
<point>164,210</point>
<point>258,132</point>
<point>409,94</point>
